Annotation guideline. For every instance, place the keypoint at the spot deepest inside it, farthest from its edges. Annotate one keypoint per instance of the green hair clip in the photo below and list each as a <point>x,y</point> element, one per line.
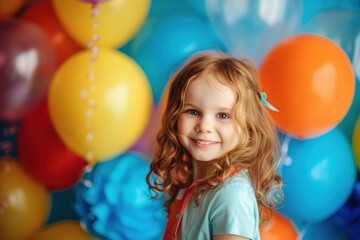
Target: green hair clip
<point>263,100</point>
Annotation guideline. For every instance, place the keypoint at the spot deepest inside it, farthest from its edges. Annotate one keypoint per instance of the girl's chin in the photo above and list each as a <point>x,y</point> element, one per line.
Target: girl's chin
<point>204,159</point>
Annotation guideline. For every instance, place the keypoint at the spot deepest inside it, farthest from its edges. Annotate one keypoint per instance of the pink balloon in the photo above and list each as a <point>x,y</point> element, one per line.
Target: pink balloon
<point>146,143</point>
<point>27,63</point>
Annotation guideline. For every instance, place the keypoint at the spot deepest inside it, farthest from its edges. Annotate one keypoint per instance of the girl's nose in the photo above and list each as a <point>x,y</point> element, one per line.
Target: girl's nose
<point>204,126</point>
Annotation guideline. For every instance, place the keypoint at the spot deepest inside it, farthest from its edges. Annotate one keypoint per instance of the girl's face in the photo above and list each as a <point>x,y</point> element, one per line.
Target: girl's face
<point>205,126</point>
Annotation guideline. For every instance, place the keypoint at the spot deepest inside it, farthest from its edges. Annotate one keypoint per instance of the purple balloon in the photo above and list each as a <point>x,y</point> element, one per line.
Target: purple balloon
<point>94,2</point>
<point>27,64</point>
<point>146,142</point>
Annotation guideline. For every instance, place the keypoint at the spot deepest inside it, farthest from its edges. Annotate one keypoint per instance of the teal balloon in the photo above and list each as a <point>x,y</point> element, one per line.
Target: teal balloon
<point>165,42</point>
<point>163,7</point>
<point>62,206</point>
<point>250,28</point>
<point>198,6</point>
<point>324,230</point>
<point>318,174</point>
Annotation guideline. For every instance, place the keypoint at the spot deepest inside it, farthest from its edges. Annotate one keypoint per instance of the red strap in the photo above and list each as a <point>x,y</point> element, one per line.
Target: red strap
<point>177,210</point>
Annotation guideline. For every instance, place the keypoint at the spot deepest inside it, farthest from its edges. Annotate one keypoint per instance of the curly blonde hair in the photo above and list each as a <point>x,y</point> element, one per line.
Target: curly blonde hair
<point>258,149</point>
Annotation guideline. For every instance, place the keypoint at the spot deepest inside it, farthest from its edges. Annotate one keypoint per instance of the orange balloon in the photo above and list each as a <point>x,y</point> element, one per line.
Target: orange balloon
<point>24,203</point>
<point>310,80</point>
<point>64,230</point>
<point>43,14</point>
<point>280,228</point>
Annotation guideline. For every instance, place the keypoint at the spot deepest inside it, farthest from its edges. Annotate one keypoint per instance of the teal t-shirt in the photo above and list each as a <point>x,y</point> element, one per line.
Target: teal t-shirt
<point>230,208</point>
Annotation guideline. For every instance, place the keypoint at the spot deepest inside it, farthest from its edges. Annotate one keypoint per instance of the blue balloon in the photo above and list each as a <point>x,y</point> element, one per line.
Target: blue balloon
<point>166,41</point>
<point>348,217</point>
<point>325,230</point>
<point>318,175</point>
<point>113,200</point>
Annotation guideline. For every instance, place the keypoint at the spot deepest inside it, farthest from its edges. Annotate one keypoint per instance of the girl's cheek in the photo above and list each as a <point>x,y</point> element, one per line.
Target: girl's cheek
<point>183,124</point>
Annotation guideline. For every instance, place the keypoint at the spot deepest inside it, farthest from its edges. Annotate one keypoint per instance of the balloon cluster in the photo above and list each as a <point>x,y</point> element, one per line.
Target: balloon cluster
<point>83,83</point>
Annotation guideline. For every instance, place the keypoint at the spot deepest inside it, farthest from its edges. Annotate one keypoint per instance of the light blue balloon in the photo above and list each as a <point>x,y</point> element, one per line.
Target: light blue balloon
<point>165,42</point>
<point>250,28</point>
<point>318,175</point>
<point>313,7</point>
<point>340,25</point>
<point>325,230</point>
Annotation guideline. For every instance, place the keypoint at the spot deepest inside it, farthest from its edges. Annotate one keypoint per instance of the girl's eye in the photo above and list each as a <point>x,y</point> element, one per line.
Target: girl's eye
<point>223,115</point>
<point>193,112</point>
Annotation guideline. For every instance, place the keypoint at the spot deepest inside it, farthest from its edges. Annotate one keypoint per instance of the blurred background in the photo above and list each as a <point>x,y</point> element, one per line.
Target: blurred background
<point>81,89</point>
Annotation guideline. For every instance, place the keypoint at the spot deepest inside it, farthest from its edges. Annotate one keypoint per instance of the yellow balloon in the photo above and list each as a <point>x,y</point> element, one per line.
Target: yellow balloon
<point>356,143</point>
<point>118,20</point>
<point>24,203</point>
<point>123,103</point>
<point>65,230</point>
<point>9,8</point>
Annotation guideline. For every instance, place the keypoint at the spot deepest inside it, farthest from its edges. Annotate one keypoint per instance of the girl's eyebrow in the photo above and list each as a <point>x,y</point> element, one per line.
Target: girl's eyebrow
<point>220,108</point>
<point>190,105</point>
<point>223,109</point>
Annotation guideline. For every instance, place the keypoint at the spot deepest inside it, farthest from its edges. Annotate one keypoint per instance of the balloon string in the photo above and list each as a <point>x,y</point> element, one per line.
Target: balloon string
<point>285,158</point>
<point>91,102</point>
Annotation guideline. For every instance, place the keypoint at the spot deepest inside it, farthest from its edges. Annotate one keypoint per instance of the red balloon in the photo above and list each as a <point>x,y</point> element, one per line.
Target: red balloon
<point>43,14</point>
<point>44,155</point>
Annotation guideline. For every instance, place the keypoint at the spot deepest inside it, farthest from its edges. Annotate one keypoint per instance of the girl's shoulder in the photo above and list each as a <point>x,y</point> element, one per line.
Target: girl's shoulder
<point>235,189</point>
<point>242,180</point>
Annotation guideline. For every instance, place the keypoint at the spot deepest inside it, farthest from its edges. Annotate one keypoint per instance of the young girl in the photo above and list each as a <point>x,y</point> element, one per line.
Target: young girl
<point>216,152</point>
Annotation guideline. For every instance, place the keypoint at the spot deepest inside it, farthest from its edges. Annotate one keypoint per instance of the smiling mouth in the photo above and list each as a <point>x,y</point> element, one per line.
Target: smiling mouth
<point>203,142</point>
